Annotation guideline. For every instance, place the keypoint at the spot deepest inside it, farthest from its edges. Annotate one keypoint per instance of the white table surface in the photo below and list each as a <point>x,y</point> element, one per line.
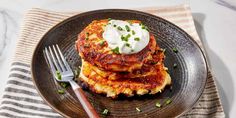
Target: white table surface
<point>215,21</point>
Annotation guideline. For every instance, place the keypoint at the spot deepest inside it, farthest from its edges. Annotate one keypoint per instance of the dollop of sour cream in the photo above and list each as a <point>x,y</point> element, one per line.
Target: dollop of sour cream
<point>124,37</point>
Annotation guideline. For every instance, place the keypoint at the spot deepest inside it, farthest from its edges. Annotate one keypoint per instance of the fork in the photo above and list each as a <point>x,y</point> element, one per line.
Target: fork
<point>57,63</point>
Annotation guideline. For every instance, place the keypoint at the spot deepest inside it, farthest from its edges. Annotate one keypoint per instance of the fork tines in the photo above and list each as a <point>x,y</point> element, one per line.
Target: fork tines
<point>55,59</point>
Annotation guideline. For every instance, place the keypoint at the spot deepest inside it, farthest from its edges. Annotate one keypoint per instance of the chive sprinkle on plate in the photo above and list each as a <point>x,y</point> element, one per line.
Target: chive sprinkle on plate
<point>61,91</point>
<point>109,19</point>
<point>168,101</point>
<point>64,85</point>
<point>76,71</point>
<point>158,104</point>
<point>175,50</point>
<point>105,112</point>
<point>58,74</point>
<point>175,65</point>
<point>137,109</point>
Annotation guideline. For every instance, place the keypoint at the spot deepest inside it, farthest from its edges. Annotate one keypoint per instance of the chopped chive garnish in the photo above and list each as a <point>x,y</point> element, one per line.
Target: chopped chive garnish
<point>109,19</point>
<point>114,25</point>
<point>175,65</point>
<point>127,44</point>
<point>133,32</point>
<point>119,28</point>
<point>168,101</point>
<point>102,43</point>
<point>122,37</point>
<point>137,109</point>
<point>127,28</point>
<point>143,26</point>
<point>116,50</point>
<point>126,38</point>
<point>105,112</point>
<point>132,50</point>
<point>175,50</point>
<point>146,28</point>
<point>137,39</point>
<point>58,74</point>
<point>87,36</point>
<point>158,105</point>
<point>109,23</point>
<point>61,91</point>
<point>64,85</point>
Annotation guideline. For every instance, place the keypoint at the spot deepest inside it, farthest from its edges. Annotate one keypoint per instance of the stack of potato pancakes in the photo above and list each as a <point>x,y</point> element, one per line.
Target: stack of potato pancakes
<point>108,72</point>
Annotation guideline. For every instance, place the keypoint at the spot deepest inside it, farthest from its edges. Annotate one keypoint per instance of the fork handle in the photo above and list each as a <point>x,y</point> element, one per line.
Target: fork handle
<point>84,101</point>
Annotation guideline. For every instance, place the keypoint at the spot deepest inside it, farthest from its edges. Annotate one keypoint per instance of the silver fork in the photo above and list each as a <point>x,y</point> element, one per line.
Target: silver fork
<point>57,63</point>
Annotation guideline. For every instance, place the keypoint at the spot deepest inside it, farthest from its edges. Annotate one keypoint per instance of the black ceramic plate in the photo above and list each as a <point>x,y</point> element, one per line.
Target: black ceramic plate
<point>188,78</point>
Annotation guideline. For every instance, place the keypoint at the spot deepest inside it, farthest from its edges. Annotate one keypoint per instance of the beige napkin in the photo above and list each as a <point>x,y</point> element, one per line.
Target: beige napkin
<point>22,100</point>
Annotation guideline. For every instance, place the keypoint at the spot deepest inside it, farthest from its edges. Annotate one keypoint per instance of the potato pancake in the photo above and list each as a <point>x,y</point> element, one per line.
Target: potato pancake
<point>94,49</point>
<point>150,84</point>
<point>146,70</point>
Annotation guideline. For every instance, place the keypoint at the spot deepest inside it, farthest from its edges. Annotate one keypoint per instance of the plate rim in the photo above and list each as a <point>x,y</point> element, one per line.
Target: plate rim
<point>114,10</point>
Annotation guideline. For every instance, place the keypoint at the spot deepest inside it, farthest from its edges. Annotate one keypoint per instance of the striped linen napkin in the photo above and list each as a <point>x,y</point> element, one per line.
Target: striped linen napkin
<point>21,98</point>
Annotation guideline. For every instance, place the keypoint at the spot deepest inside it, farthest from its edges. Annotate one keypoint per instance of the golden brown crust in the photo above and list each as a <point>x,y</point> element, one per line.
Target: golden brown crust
<point>88,45</point>
<point>153,83</point>
<point>146,69</point>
